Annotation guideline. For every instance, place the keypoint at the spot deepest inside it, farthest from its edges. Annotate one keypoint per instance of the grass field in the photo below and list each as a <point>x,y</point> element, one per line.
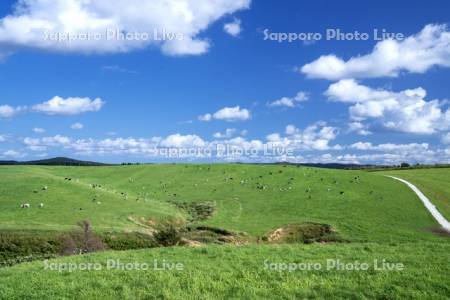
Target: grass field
<point>435,183</point>
<point>256,200</point>
<point>229,272</point>
<point>64,203</point>
<point>380,218</point>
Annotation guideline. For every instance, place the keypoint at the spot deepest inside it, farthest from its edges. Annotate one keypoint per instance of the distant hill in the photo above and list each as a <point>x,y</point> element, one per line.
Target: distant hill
<point>328,165</point>
<point>368,167</point>
<point>57,161</point>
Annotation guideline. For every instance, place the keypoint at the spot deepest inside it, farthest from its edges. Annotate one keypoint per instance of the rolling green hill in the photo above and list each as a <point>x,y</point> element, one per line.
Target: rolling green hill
<point>56,161</point>
<point>66,202</point>
<point>255,199</point>
<point>381,220</point>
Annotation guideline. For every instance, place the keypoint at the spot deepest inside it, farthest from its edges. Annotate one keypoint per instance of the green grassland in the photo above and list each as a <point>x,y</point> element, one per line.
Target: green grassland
<point>251,198</point>
<point>380,218</point>
<point>434,183</point>
<point>229,272</point>
<point>65,202</point>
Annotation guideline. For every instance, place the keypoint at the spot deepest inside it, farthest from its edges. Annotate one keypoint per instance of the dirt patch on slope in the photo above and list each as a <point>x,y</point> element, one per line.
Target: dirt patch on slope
<point>303,233</point>
<point>212,235</point>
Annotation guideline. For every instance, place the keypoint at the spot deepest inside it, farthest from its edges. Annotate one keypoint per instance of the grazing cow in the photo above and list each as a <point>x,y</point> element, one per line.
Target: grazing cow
<point>25,205</point>
<point>41,205</point>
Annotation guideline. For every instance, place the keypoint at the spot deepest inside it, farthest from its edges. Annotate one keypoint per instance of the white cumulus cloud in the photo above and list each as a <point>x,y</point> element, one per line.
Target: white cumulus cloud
<point>13,154</point>
<point>405,111</point>
<point>205,117</point>
<point>230,114</point>
<point>416,54</point>
<point>314,137</point>
<point>359,128</point>
<point>69,106</point>
<point>182,141</point>
<point>7,111</point>
<point>290,101</point>
<point>233,28</point>
<point>32,20</point>
<point>390,147</point>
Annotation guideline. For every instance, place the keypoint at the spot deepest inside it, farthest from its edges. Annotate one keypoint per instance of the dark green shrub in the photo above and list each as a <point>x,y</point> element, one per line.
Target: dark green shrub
<point>128,241</point>
<point>167,235</point>
<point>26,246</point>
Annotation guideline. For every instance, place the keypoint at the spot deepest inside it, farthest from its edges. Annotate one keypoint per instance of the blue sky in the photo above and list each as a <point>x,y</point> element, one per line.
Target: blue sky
<point>118,100</point>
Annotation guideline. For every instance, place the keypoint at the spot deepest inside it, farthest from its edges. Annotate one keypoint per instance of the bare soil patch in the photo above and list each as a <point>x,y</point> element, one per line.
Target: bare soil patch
<point>305,233</point>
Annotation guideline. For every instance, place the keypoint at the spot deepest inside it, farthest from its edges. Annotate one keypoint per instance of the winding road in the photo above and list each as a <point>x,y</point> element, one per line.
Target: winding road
<point>431,208</point>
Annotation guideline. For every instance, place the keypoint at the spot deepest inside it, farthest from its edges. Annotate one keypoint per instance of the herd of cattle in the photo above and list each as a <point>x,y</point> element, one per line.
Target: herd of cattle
<point>164,187</point>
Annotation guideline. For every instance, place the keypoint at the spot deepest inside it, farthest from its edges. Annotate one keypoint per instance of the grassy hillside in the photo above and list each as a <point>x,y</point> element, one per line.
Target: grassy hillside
<point>380,217</point>
<point>65,202</point>
<point>241,273</point>
<point>434,183</point>
<point>255,199</point>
